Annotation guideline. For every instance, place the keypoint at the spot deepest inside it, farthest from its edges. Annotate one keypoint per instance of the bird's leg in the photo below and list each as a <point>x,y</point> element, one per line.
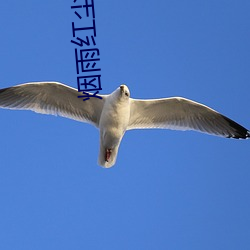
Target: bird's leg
<point>108,154</point>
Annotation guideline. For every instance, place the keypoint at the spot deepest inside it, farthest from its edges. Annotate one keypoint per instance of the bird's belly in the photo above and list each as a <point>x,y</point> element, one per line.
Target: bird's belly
<point>112,131</point>
<point>113,124</point>
<point>111,138</point>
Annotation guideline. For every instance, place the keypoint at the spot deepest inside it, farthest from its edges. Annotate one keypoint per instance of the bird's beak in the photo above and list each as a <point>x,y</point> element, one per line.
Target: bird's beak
<point>122,88</point>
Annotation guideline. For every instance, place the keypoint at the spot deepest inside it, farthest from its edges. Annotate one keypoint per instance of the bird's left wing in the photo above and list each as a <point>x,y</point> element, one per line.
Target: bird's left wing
<point>52,98</point>
<point>182,114</point>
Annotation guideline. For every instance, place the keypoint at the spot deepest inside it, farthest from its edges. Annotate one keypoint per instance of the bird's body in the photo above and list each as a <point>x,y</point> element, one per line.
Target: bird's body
<point>116,113</point>
<point>113,124</point>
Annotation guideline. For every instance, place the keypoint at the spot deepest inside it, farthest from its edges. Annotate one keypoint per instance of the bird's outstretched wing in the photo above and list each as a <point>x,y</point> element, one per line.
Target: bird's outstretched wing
<point>52,98</point>
<point>182,114</point>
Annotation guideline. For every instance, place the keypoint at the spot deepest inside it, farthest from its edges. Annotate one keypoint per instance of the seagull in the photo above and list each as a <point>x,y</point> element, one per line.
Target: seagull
<point>116,113</point>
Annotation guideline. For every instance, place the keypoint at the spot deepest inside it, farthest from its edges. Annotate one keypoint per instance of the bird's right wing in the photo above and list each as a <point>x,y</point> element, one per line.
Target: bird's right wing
<point>182,114</point>
<point>52,98</point>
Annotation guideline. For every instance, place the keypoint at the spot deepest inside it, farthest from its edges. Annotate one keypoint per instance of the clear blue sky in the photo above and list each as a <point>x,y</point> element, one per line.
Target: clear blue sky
<point>169,189</point>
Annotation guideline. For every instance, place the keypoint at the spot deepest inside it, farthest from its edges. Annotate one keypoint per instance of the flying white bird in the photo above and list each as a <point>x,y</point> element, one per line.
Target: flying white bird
<point>116,113</point>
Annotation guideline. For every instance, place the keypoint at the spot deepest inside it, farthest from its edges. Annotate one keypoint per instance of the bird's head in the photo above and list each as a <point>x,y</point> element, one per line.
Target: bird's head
<point>121,94</point>
<point>124,91</point>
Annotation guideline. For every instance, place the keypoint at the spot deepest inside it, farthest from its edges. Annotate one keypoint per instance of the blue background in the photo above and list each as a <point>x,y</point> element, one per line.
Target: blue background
<point>169,189</point>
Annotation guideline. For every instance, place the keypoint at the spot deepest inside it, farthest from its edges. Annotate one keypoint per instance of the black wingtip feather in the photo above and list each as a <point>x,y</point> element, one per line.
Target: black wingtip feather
<point>239,131</point>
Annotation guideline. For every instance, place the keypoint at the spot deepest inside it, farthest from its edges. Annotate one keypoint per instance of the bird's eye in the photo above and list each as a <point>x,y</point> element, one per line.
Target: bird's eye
<point>126,93</point>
